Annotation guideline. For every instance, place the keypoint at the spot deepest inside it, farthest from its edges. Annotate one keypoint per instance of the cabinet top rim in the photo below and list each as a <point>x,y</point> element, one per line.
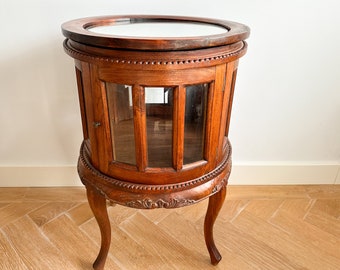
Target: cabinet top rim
<point>184,33</point>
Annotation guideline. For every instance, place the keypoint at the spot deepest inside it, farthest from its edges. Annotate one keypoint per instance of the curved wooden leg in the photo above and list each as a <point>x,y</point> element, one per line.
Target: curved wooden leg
<point>214,207</point>
<point>98,205</point>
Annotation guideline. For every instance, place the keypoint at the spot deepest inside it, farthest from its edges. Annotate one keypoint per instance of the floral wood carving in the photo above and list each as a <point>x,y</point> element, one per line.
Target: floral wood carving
<point>150,204</point>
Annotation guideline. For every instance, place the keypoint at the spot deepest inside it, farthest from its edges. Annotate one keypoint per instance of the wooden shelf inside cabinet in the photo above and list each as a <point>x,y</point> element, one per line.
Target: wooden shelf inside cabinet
<point>155,95</point>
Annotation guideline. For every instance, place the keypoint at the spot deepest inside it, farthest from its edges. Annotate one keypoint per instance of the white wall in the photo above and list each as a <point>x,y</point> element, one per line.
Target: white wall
<point>286,118</point>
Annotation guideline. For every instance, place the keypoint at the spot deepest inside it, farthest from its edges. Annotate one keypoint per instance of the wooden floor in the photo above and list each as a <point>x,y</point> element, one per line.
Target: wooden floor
<point>277,227</point>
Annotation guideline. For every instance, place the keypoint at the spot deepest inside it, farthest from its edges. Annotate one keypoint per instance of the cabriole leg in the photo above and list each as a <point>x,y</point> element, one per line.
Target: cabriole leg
<point>98,206</point>
<point>214,207</point>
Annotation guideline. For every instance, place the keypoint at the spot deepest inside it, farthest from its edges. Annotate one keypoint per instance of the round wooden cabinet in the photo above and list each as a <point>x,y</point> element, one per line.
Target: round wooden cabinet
<point>155,95</point>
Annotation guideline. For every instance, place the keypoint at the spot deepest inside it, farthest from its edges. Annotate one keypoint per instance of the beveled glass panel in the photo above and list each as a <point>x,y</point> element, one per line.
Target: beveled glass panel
<point>159,111</point>
<point>195,121</point>
<point>119,101</point>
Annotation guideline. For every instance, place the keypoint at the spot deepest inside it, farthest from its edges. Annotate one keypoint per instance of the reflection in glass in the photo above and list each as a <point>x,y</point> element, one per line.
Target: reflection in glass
<point>159,29</point>
<point>119,99</point>
<point>194,128</point>
<point>159,110</point>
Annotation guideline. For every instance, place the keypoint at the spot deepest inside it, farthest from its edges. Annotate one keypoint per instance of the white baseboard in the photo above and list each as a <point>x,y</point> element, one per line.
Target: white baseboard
<point>241,175</point>
<point>39,176</point>
<point>337,180</point>
<point>285,174</point>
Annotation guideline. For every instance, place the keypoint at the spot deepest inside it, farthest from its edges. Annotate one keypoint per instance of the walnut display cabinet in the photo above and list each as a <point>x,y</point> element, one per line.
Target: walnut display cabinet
<point>155,95</point>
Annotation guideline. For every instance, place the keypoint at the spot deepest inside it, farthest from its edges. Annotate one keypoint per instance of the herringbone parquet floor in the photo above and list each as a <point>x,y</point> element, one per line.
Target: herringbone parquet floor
<point>259,227</point>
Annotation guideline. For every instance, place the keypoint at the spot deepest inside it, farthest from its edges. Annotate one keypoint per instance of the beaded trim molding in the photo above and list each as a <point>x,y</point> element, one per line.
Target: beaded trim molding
<point>84,161</point>
<point>83,56</point>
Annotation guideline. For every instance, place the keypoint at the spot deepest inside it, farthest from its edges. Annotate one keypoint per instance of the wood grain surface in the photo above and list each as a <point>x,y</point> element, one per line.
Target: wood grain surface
<point>259,227</point>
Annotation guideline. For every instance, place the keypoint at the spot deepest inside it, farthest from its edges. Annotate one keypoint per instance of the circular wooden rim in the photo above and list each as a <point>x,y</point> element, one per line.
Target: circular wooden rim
<point>77,30</point>
<point>148,196</point>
